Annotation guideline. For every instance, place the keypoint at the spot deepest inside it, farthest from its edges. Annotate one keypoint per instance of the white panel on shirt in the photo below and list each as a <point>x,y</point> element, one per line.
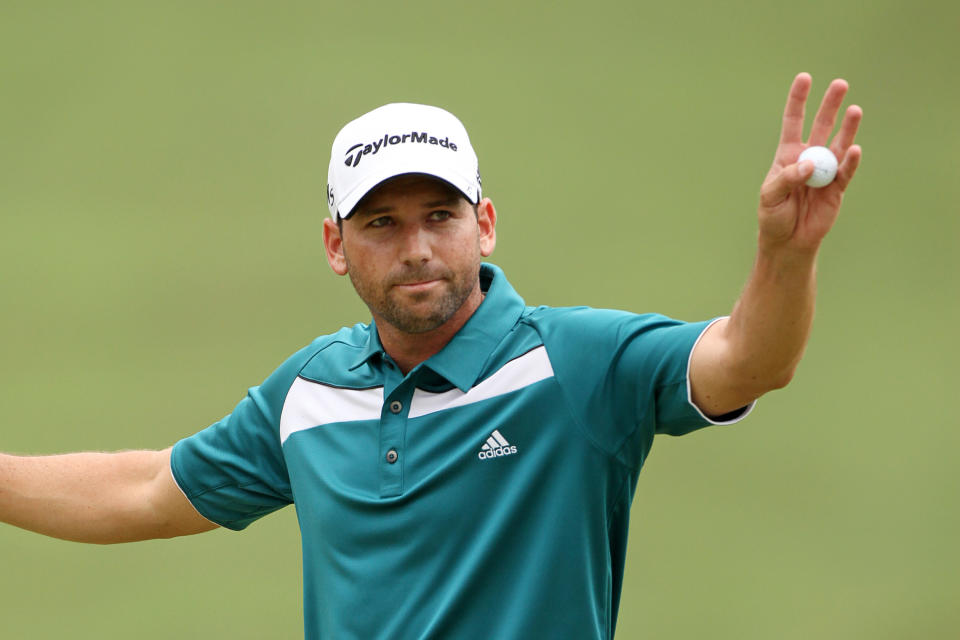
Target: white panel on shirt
<point>531,367</point>
<point>311,404</point>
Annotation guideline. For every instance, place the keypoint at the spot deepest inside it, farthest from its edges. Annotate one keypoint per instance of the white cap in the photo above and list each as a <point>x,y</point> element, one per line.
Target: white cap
<point>397,139</point>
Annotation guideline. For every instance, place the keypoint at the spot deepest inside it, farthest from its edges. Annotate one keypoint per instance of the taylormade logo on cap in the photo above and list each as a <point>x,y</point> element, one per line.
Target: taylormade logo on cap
<point>398,139</point>
<point>353,159</point>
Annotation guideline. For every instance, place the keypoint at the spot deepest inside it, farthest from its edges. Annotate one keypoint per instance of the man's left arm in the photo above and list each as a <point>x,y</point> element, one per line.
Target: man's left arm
<point>758,348</point>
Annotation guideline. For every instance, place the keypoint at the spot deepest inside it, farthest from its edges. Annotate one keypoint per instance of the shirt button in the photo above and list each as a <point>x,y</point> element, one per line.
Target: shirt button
<point>396,406</point>
<point>392,456</point>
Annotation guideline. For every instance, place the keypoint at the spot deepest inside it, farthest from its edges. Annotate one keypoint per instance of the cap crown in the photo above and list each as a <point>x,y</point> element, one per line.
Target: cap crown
<point>397,139</point>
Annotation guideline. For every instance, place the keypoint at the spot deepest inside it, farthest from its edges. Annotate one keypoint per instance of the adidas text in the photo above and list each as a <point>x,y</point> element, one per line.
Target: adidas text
<point>497,453</point>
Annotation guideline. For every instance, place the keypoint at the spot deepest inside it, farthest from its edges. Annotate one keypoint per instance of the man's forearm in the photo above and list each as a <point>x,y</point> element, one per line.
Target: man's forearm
<point>771,321</point>
<point>86,497</point>
<point>758,347</point>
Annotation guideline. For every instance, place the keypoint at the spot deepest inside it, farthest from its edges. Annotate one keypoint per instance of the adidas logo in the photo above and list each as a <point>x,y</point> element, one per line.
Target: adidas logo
<point>496,446</point>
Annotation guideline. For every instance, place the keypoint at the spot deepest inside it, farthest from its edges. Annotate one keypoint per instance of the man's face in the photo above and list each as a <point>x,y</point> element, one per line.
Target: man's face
<point>412,249</point>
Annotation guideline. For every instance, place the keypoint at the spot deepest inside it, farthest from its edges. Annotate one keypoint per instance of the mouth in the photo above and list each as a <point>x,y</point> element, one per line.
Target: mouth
<point>422,285</point>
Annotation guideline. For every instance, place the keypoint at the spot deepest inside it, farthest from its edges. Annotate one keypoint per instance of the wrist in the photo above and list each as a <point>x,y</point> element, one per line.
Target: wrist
<point>785,262</point>
<point>780,251</point>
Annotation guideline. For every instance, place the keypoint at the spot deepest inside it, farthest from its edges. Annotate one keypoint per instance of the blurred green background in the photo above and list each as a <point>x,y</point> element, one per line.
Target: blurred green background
<point>162,182</point>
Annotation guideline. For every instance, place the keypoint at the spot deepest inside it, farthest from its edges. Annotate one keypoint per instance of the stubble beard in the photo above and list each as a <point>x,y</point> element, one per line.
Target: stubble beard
<point>384,301</point>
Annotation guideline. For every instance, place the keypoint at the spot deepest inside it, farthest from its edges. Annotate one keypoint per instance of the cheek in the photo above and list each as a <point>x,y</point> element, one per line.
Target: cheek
<point>359,257</point>
<point>462,246</point>
<point>366,274</point>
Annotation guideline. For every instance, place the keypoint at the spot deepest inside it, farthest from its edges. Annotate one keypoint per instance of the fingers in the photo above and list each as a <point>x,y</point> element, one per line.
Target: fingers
<point>848,167</point>
<point>790,177</point>
<point>792,130</point>
<point>826,118</point>
<point>827,113</point>
<point>796,175</point>
<point>848,131</point>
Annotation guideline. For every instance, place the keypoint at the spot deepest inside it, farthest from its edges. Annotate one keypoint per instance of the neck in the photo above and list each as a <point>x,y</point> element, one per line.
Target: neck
<point>410,349</point>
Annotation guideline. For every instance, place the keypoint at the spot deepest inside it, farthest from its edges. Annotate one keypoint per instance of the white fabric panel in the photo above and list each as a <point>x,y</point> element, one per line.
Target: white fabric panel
<point>521,372</point>
<point>310,404</point>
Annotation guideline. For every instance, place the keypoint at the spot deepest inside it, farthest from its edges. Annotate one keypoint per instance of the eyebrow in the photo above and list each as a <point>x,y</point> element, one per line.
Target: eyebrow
<point>445,202</point>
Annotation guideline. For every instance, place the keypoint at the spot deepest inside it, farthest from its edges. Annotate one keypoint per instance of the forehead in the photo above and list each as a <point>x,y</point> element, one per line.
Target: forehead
<point>414,185</point>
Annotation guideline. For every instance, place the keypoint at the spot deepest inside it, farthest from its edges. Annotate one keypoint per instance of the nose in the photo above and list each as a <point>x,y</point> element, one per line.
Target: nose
<point>415,245</point>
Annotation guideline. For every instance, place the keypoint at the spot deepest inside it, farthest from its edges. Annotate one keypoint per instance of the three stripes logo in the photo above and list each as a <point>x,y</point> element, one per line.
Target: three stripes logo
<point>496,446</point>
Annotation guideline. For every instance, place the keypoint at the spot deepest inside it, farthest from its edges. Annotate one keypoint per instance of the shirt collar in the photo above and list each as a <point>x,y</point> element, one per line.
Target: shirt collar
<point>462,359</point>
<point>371,349</point>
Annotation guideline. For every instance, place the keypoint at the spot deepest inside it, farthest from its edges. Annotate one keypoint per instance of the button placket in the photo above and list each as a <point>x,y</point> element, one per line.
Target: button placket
<point>393,424</point>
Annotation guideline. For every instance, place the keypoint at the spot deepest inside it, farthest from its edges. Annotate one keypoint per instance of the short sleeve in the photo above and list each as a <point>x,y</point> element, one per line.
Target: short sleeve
<point>675,411</point>
<point>234,471</point>
<point>626,376</point>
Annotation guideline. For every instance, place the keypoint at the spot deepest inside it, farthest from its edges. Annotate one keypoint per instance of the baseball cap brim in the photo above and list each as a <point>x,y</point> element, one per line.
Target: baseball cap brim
<point>349,202</point>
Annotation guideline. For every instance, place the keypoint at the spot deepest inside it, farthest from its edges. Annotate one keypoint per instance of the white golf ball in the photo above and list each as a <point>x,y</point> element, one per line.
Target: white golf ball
<point>824,166</point>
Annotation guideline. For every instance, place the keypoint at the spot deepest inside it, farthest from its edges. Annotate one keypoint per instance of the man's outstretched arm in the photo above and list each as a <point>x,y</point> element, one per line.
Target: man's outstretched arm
<point>97,497</point>
<point>759,347</point>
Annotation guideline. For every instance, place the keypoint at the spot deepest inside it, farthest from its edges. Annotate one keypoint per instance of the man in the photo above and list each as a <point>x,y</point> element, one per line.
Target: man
<point>463,466</point>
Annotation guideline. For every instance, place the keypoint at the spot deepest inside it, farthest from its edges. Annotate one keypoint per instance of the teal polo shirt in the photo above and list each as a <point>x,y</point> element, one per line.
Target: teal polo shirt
<point>485,494</point>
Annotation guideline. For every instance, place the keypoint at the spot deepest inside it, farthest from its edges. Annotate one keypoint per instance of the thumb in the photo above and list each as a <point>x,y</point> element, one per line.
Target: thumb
<point>783,184</point>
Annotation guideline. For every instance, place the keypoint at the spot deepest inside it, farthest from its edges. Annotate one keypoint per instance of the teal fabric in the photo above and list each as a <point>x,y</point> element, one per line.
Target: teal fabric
<point>444,543</point>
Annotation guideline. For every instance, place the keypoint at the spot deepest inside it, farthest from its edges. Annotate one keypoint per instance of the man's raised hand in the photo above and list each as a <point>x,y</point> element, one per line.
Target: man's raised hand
<point>792,215</point>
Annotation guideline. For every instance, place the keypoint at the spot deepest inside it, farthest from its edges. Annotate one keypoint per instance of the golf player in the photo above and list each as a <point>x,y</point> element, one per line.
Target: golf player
<point>462,466</point>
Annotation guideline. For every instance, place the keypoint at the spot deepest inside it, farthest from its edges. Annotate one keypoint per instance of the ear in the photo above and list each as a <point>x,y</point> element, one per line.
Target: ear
<point>333,244</point>
<point>487,222</point>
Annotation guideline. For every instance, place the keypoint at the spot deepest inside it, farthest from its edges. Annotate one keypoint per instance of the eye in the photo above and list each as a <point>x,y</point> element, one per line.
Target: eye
<point>382,221</point>
<point>440,216</point>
